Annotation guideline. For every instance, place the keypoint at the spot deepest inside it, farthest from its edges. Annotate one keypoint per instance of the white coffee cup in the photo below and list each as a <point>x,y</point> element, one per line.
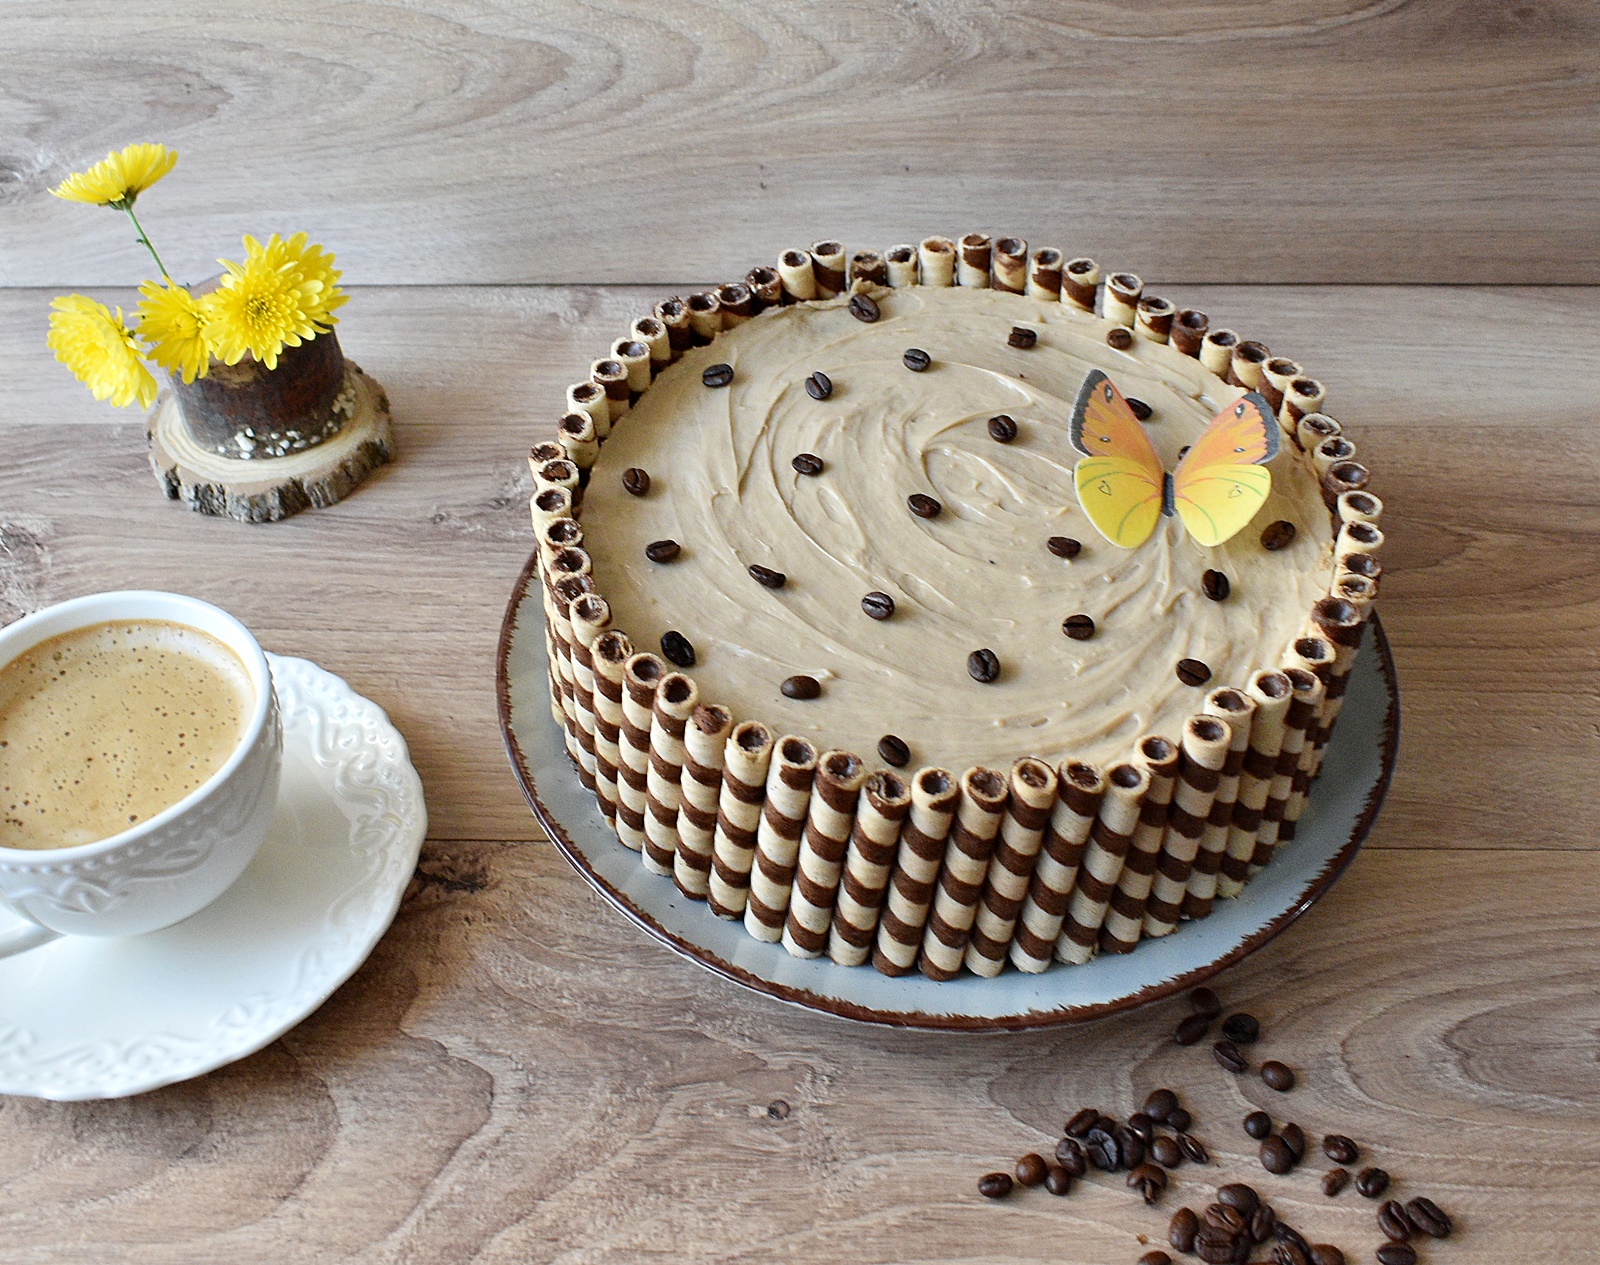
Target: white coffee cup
<point>162,870</point>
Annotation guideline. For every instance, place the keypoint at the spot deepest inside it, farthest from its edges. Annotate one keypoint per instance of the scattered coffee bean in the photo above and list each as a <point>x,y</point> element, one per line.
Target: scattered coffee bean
<point>1372,1182</point>
<point>1063,546</point>
<point>1141,1173</point>
<point>767,577</point>
<point>1119,338</point>
<point>1340,1149</point>
<point>1428,1218</point>
<point>1081,628</point>
<point>1178,1119</point>
<point>1240,1196</point>
<point>1022,338</point>
<point>1160,1104</point>
<point>878,605</point>
<point>1155,1257</point>
<point>801,687</point>
<point>1278,535</point>
<point>1193,672</point>
<point>923,506</point>
<point>1294,1138</point>
<point>1215,585</point>
<point>1193,1149</point>
<point>1057,1180</point>
<point>1130,1147</point>
<point>1396,1254</point>
<point>1393,1222</point>
<point>1276,1157</point>
<point>863,308</point>
<point>1031,1169</point>
<point>1226,1217</point>
<point>717,375</point>
<point>994,1185</point>
<point>1069,1154</point>
<point>677,648</point>
<point>1283,1232</point>
<point>1081,1123</point>
<point>983,665</point>
<point>1141,1123</point>
<point>1262,1223</point>
<point>635,482</point>
<point>819,386</point>
<point>1326,1254</point>
<point>1203,1001</point>
<point>1215,1246</point>
<point>1278,1076</point>
<point>1002,428</point>
<point>662,550</point>
<point>1141,410</point>
<point>1289,1254</point>
<point>1334,1180</point>
<point>1166,1151</point>
<point>1101,1149</point>
<point>1242,1029</point>
<point>1104,1123</point>
<point>1258,1124</point>
<point>1182,1229</point>
<point>807,463</point>
<point>1228,1056</point>
<point>893,751</point>
<point>916,359</point>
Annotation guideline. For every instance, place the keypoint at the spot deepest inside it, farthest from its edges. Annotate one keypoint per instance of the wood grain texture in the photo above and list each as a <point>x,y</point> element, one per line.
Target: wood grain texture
<point>449,141</point>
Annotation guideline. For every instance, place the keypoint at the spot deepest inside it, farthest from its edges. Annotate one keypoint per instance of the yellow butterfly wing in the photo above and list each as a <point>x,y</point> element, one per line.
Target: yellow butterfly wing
<point>1121,481</point>
<point>1222,482</point>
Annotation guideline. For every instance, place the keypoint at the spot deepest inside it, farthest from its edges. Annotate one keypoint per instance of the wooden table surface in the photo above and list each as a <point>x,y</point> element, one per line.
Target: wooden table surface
<point>518,1075</point>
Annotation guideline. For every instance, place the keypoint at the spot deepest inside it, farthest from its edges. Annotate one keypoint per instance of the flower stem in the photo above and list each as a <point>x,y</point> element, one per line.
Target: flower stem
<point>145,241</point>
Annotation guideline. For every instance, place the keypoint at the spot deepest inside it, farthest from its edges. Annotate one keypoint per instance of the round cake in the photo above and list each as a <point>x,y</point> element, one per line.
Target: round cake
<point>837,646</point>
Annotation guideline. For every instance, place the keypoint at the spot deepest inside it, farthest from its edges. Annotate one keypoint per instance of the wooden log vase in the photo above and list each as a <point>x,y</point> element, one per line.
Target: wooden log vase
<point>259,445</point>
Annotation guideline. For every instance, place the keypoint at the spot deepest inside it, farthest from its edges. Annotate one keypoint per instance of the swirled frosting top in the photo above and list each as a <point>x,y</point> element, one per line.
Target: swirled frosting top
<point>979,575</point>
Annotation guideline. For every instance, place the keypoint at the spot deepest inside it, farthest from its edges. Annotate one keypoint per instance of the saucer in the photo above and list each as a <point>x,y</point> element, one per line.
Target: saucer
<point>103,1018</point>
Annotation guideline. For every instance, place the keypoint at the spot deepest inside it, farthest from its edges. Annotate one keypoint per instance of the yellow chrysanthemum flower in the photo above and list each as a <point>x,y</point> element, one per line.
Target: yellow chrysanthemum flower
<point>119,178</point>
<point>315,266</point>
<point>100,350</point>
<point>173,323</point>
<point>265,304</point>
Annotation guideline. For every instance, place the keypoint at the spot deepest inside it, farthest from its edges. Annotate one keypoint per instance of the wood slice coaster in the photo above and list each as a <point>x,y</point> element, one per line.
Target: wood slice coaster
<point>267,489</point>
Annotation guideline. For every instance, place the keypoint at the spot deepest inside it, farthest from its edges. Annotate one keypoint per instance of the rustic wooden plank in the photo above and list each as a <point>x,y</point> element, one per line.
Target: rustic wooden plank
<point>467,141</point>
<point>519,1075</point>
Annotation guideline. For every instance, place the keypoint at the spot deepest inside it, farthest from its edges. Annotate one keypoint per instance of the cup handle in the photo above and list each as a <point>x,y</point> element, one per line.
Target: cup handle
<point>25,936</point>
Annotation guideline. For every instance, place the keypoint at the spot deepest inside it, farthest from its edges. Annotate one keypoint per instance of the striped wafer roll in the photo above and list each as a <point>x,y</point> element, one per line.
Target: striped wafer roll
<point>1302,397</point>
<point>590,398</point>
<point>882,807</point>
<point>560,473</point>
<point>1360,507</point>
<point>1246,367</point>
<point>1109,837</point>
<point>1359,536</point>
<point>652,332</point>
<point>1124,920</point>
<point>966,862</point>
<point>1080,788</point>
<point>1313,428</point>
<point>543,451</point>
<point>564,590</point>
<point>1309,763</point>
<point>1330,452</point>
<point>799,275</point>
<point>973,258</point>
<point>674,314</point>
<point>1314,654</point>
<point>828,266</point>
<point>1216,351</point>
<point>634,356</point>
<point>1271,692</point>
<point>1340,622</point>
<point>609,653</point>
<point>1238,709</point>
<point>1119,298</point>
<point>641,675</point>
<point>554,536</point>
<point>869,265</point>
<point>1080,283</point>
<point>1352,586</point>
<point>783,817</point>
<point>581,445</point>
<point>1153,318</point>
<point>1206,740</point>
<point>1033,795</point>
<point>766,285</point>
<point>1044,275</point>
<point>1346,476</point>
<point>611,376</point>
<point>936,262</point>
<point>1010,265</point>
<point>901,264</point>
<point>1189,329</point>
<point>746,760</point>
<point>590,616</point>
<point>705,317</point>
<point>676,698</point>
<point>1276,375</point>
<point>934,795</point>
<point>822,848</point>
<point>1297,723</point>
<point>738,303</point>
<point>701,785</point>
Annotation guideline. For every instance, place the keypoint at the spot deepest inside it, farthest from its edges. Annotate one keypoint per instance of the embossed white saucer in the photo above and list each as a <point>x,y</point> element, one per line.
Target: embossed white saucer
<point>103,1018</point>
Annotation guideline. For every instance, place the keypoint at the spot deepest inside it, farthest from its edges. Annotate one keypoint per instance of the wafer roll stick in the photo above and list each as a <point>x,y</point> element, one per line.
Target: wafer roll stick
<point>966,862</point>
<point>705,317</point>
<point>703,740</point>
<point>676,698</point>
<point>570,581</point>
<point>560,473</point>
<point>1119,299</point>
<point>1238,709</point>
<point>1080,283</point>
<point>766,285</point>
<point>1216,351</point>
<point>611,376</point>
<point>822,847</point>
<point>652,332</point>
<point>868,266</point>
<point>1292,757</point>
<point>901,266</point>
<point>590,616</point>
<point>1044,274</point>
<point>973,258</point>
<point>1271,692</point>
<point>799,275</point>
<point>1206,740</point>
<point>934,795</point>
<point>1359,589</point>
<point>1153,318</point>
<point>783,817</point>
<point>1358,536</point>
<point>737,303</point>
<point>1276,375</point>
<point>1360,507</point>
<point>1312,654</point>
<point>1189,329</point>
<point>634,356</point>
<point>543,451</point>
<point>828,266</point>
<point>746,760</point>
<point>1010,265</point>
<point>1080,788</point>
<point>674,314</point>
<point>1339,622</point>
<point>548,504</point>
<point>936,262</point>
<point>580,443</point>
<point>1301,398</point>
<point>1124,920</point>
<point>1313,428</point>
<point>1126,785</point>
<point>609,653</point>
<point>881,809</point>
<point>590,397</point>
<point>1330,452</point>
<point>1346,476</point>
<point>641,675</point>
<point>1005,887</point>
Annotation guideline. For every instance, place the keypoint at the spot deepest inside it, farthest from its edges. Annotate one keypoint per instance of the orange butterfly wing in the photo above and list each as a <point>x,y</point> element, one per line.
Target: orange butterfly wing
<point>1121,482</point>
<point>1222,481</point>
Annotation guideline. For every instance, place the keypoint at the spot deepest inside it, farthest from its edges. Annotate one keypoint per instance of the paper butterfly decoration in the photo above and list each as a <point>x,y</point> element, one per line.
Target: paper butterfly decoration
<point>1124,489</point>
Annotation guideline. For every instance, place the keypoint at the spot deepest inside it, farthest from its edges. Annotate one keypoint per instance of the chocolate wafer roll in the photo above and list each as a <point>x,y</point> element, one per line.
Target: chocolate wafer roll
<point>1246,365</point>
<point>703,741</point>
<point>901,266</point>
<point>1358,536</point>
<point>652,332</point>
<point>1080,788</point>
<point>608,655</point>
<point>1005,887</point>
<point>936,262</point>
<point>676,698</point>
<point>1153,318</point>
<point>1044,275</point>
<point>746,760</point>
<point>1238,709</point>
<point>557,474</point>
<point>1272,694</point>
<point>1313,428</point>
<point>1360,507</point>
<point>1119,298</point>
<point>1080,283</point>
<point>634,356</point>
<point>548,504</point>
<point>1126,785</point>
<point>1276,375</point>
<point>1216,351</point>
<point>934,795</point>
<point>783,817</point>
<point>580,443</point>
<point>1124,920</point>
<point>590,397</point>
<point>1314,654</point>
<point>966,862</point>
<point>973,258</point>
<point>1301,398</point>
<point>1010,265</point>
<point>590,616</point>
<point>543,451</point>
<point>822,848</point>
<point>1339,622</point>
<point>737,303</point>
<point>1362,590</point>
<point>1189,330</point>
<point>1305,772</point>
<point>1346,476</point>
<point>641,675</point>
<point>1330,452</point>
<point>827,261</point>
<point>570,580</point>
<point>881,809</point>
<point>869,266</point>
<point>766,285</point>
<point>1292,761</point>
<point>705,317</point>
<point>611,376</point>
<point>799,274</point>
<point>1206,742</point>
<point>674,314</point>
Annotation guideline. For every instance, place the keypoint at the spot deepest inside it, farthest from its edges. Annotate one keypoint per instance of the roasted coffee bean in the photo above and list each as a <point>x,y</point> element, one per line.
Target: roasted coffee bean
<point>1179,1119</point>
<point>767,577</point>
<point>1031,1169</point>
<point>1140,409</point>
<point>1334,1180</point>
<point>1182,1229</point>
<point>1278,535</point>
<point>1326,1254</point>
<point>923,506</point>
<point>1130,1147</point>
<point>1294,1137</point>
<point>994,1185</point>
<point>878,605</point>
<point>662,550</point>
<point>717,375</point>
<point>1203,1001</point>
<point>801,687</point>
<point>1428,1218</point>
<point>1191,1027</point>
<point>677,648</point>
<point>1160,1104</point>
<point>1239,1195</point>
<point>1226,1218</point>
<point>1262,1222</point>
<point>1340,1149</point>
<point>1151,1193</point>
<point>1193,672</point>
<point>1228,1056</point>
<point>1081,628</point>
<point>1276,1157</point>
<point>1215,586</point>
<point>863,308</point>
<point>1147,1173</point>
<point>1155,1257</point>
<point>1372,1182</point>
<point>1081,1122</point>
<point>819,386</point>
<point>1166,1151</point>
<point>892,750</point>
<point>1141,1123</point>
<point>1242,1029</point>
<point>807,463</point>
<point>1063,546</point>
<point>1101,1148</point>
<point>983,665</point>
<point>1002,428</point>
<point>1289,1254</point>
<point>1193,1149</point>
<point>1258,1124</point>
<point>1023,338</point>
<point>1393,1222</point>
<point>1278,1076</point>
<point>635,482</point>
<point>1069,1154</point>
<point>1396,1254</point>
<point>1057,1180</point>
<point>916,359</point>
<point>1215,1246</point>
<point>1119,339</point>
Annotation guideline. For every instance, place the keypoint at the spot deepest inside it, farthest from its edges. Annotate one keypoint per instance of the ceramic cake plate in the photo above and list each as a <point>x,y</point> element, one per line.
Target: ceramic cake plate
<point>103,1018</point>
<point>1343,805</point>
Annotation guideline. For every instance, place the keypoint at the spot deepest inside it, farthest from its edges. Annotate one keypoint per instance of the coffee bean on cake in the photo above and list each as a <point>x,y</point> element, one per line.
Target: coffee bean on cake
<point>807,463</point>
